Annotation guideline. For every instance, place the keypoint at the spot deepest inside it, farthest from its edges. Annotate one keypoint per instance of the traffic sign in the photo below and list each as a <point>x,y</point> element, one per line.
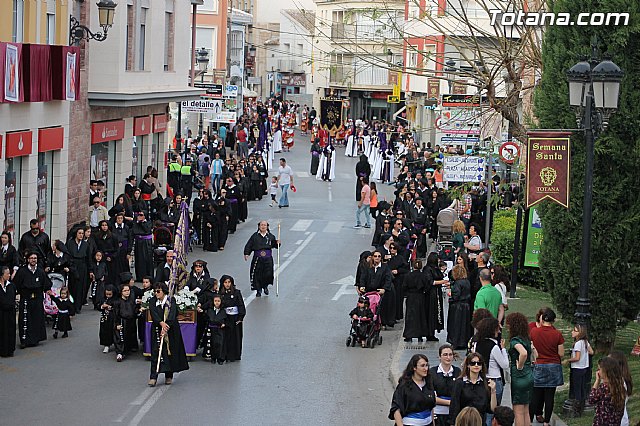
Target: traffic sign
<point>203,106</point>
<point>509,151</point>
<point>463,168</point>
<point>393,99</point>
<point>212,89</point>
<point>230,91</point>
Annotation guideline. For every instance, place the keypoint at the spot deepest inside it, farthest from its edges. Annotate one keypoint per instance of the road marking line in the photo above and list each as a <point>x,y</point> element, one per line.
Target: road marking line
<point>158,392</point>
<point>302,174</point>
<point>125,413</point>
<point>252,296</point>
<point>299,242</point>
<point>142,397</point>
<point>333,227</point>
<point>301,225</point>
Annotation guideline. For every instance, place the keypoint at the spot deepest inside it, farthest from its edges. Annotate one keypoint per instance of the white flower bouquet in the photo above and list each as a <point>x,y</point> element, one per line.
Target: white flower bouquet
<point>185,299</point>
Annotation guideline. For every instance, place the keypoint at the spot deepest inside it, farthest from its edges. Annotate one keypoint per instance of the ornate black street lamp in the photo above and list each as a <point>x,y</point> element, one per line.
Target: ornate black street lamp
<point>106,12</point>
<point>594,87</point>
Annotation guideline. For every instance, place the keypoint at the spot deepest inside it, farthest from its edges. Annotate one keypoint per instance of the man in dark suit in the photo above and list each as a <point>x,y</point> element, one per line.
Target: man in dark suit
<point>163,272</point>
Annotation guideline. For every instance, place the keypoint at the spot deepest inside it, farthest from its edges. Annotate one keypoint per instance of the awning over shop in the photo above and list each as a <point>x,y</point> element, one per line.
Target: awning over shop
<point>248,93</point>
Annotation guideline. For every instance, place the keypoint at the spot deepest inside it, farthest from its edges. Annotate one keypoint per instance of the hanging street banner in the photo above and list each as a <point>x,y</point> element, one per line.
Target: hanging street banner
<point>548,167</point>
<point>533,239</point>
<point>459,168</point>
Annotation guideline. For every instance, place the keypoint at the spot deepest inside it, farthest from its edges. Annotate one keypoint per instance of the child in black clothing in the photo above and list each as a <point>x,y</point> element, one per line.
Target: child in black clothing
<point>214,334</point>
<point>98,275</point>
<point>106,319</point>
<point>362,318</point>
<point>65,312</point>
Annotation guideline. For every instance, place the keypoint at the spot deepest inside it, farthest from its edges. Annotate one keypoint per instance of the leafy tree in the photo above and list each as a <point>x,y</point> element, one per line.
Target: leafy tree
<point>615,268</point>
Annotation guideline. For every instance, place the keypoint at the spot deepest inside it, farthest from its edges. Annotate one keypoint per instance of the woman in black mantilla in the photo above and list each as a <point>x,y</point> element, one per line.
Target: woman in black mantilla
<point>7,313</point>
<point>433,295</point>
<point>210,228</point>
<point>261,243</point>
<point>233,304</point>
<point>107,243</point>
<point>143,248</point>
<point>164,317</point>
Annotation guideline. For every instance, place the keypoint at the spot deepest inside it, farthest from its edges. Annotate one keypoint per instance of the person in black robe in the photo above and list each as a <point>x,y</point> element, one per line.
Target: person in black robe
<point>31,282</point>
<point>66,310</point>
<point>362,268</point>
<point>210,240</point>
<point>124,245</point>
<point>459,329</point>
<point>261,244</point>
<point>315,156</point>
<point>79,281</point>
<point>199,206</point>
<point>35,240</point>
<point>216,318</point>
<point>328,152</point>
<point>138,294</point>
<point>164,317</point>
<point>363,169</point>
<point>7,313</point>
<point>223,215</point>
<point>125,313</point>
<point>143,251</point>
<point>415,285</point>
<point>107,324</point>
<point>108,245</point>
<point>418,214</point>
<point>399,269</point>
<point>234,196</point>
<point>98,277</point>
<point>256,191</point>
<point>59,261</point>
<point>200,281</point>
<point>243,188</point>
<point>8,253</point>
<point>233,304</point>
<point>433,296</point>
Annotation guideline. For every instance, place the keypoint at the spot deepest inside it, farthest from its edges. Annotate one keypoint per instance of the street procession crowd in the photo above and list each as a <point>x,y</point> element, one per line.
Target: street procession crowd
<point>401,279</point>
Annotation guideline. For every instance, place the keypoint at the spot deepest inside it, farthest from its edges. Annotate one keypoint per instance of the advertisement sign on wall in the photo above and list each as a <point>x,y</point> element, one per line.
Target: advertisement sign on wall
<point>10,203</point>
<point>41,201</point>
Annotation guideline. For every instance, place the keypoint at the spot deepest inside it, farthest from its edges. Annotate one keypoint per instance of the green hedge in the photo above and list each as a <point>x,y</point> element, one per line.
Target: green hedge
<point>502,237</point>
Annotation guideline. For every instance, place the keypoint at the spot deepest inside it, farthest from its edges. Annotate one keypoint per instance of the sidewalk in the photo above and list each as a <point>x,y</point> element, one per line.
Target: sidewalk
<point>406,350</point>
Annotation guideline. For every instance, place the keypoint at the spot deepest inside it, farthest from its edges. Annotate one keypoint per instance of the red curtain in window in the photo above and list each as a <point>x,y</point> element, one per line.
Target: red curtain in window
<point>65,61</point>
<point>37,66</point>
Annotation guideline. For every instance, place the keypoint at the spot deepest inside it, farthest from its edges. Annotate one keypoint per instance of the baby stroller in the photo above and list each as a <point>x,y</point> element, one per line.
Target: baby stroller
<point>50,308</point>
<point>371,331</point>
<point>162,243</point>
<point>444,240</point>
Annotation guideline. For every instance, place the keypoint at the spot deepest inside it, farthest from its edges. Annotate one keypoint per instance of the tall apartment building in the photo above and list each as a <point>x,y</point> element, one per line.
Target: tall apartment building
<point>39,79</point>
<point>358,49</point>
<point>119,124</point>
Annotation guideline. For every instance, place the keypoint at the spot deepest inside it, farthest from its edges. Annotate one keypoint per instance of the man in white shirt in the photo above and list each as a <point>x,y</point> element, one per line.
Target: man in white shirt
<point>285,179</point>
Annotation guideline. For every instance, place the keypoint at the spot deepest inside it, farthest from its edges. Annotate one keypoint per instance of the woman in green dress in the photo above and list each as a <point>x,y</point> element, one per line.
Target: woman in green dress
<point>521,356</point>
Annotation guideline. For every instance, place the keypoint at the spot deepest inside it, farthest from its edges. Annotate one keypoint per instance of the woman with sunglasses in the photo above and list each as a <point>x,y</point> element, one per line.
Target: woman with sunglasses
<point>473,389</point>
<point>414,397</point>
<point>164,316</point>
<point>444,377</point>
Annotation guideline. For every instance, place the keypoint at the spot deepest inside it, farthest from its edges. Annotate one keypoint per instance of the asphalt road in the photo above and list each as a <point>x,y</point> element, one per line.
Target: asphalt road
<point>295,367</point>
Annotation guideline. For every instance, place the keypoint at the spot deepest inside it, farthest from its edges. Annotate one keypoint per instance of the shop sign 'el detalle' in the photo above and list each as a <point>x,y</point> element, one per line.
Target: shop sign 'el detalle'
<point>548,167</point>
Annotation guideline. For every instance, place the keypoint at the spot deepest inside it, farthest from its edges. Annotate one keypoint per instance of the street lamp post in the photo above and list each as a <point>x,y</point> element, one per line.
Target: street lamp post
<point>203,61</point>
<point>593,93</point>
<point>450,69</point>
<point>78,32</point>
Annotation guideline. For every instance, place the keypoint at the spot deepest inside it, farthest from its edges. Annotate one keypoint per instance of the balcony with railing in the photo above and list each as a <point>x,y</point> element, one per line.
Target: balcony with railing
<point>291,65</point>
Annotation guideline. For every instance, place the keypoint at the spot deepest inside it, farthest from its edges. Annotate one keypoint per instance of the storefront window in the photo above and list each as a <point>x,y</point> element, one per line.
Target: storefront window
<point>12,197</point>
<point>44,201</point>
<point>103,168</point>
